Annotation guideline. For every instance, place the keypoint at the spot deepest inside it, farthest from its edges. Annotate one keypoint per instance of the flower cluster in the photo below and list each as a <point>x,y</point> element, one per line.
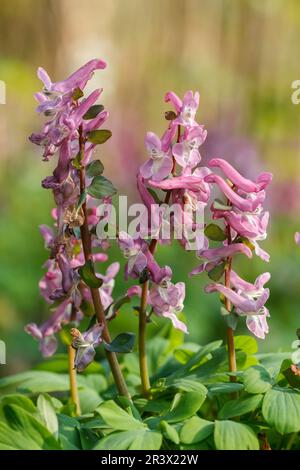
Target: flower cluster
<point>172,167</point>
<point>72,132</point>
<point>164,297</point>
<point>245,224</point>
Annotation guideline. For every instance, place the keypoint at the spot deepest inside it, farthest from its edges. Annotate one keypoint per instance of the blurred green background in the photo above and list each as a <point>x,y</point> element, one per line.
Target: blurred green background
<point>242,55</point>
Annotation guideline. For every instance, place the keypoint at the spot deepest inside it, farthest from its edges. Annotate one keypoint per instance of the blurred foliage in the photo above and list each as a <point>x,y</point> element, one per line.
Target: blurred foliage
<point>242,56</point>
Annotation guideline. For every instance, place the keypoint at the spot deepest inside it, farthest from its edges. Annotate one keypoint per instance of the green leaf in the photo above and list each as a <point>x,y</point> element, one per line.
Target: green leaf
<point>185,353</point>
<point>231,320</point>
<point>117,418</point>
<point>154,195</point>
<point>20,400</point>
<point>219,205</point>
<point>188,384</point>
<point>292,378</point>
<point>185,406</point>
<point>35,382</point>
<point>99,136</point>
<point>134,439</point>
<point>248,344</point>
<point>169,432</point>
<point>272,361</point>
<point>196,430</point>
<point>257,379</point>
<point>81,199</point>
<point>48,414</point>
<point>77,94</point>
<point>68,432</point>
<point>111,311</point>
<point>229,435</point>
<point>95,168</point>
<point>281,409</point>
<point>123,343</point>
<point>22,421</point>
<point>217,272</point>
<point>77,161</point>
<point>200,356</point>
<point>88,438</point>
<point>215,233</point>
<point>101,187</point>
<point>89,400</point>
<point>59,363</point>
<point>93,111</point>
<point>16,440</point>
<point>240,407</point>
<point>88,275</point>
<point>219,388</point>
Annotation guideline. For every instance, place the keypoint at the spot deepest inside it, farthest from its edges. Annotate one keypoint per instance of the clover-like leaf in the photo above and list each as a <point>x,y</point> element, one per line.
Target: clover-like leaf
<point>99,136</point>
<point>123,343</point>
<point>88,275</point>
<point>93,111</point>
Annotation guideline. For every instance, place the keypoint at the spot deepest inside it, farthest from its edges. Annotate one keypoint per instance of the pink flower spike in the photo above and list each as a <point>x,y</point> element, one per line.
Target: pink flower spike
<point>297,238</point>
<point>238,180</point>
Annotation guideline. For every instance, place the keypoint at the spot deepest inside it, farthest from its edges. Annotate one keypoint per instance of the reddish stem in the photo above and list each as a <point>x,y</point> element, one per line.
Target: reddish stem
<point>99,310</point>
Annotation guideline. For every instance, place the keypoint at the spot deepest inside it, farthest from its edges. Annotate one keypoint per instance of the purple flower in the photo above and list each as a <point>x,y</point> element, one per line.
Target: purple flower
<point>45,333</point>
<point>186,109</point>
<point>85,344</point>
<point>248,299</point>
<point>133,252</point>
<point>160,164</point>
<point>167,299</point>
<point>190,182</point>
<point>186,152</point>
<point>51,281</point>
<point>56,102</point>
<point>249,203</point>
<point>240,181</point>
<point>215,256</point>
<point>78,79</point>
<point>245,217</point>
<point>108,284</point>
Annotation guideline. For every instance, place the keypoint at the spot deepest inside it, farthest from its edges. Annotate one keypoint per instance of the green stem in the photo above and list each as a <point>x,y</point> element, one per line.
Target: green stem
<point>142,342</point>
<point>144,373</point>
<point>73,382</point>
<point>230,332</point>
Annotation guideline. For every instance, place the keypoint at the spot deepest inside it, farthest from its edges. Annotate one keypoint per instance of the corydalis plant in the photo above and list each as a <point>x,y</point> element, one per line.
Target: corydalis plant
<point>170,168</point>
<point>245,224</point>
<point>72,132</point>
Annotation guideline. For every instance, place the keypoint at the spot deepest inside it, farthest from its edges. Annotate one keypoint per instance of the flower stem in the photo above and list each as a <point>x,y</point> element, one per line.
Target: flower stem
<point>73,382</point>
<point>98,306</point>
<point>144,373</point>
<point>142,342</point>
<point>230,332</point>
<point>142,332</point>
